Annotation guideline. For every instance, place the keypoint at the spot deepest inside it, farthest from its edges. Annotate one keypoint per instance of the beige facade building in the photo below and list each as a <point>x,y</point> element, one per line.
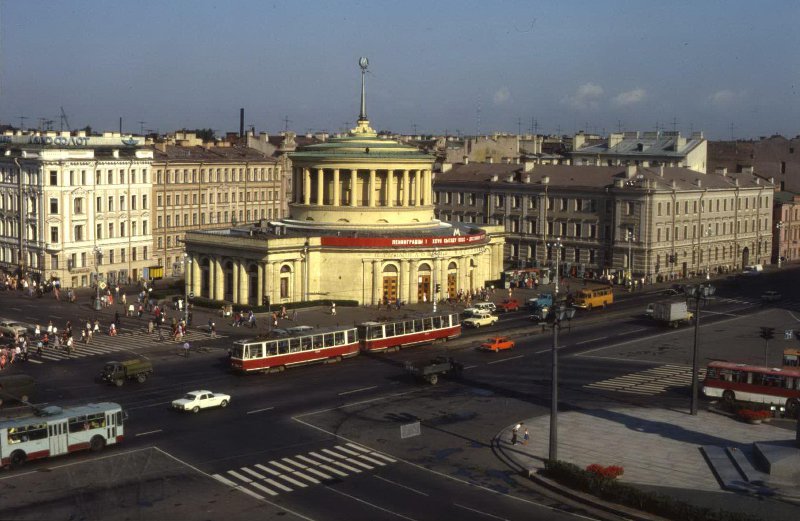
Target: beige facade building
<point>361,227</point>
<point>73,206</point>
<point>201,186</point>
<point>657,222</point>
<point>786,243</point>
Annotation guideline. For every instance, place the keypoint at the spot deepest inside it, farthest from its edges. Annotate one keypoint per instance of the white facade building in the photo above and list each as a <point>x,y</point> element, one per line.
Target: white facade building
<point>83,204</point>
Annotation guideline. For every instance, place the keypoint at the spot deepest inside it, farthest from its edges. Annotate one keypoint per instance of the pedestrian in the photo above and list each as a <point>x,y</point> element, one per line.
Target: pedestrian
<point>116,318</point>
<point>38,331</point>
<point>124,299</point>
<point>69,345</point>
<point>160,332</point>
<point>514,436</point>
<point>213,330</point>
<point>96,328</point>
<point>333,308</point>
<point>50,327</point>
<point>150,326</point>
<point>186,348</point>
<point>526,437</point>
<point>274,320</point>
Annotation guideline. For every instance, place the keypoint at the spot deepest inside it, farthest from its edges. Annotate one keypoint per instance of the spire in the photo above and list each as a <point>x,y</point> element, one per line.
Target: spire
<point>363,123</point>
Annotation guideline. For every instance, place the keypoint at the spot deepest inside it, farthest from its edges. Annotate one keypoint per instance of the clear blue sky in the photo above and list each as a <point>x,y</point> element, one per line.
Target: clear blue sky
<point>465,66</point>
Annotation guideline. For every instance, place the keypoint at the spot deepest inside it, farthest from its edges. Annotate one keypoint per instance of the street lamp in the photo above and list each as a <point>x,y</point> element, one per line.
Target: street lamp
<point>187,262</point>
<point>700,292</point>
<point>557,245</point>
<point>97,255</point>
<point>708,263</point>
<point>630,238</point>
<point>559,313</point>
<point>435,295</point>
<point>779,225</point>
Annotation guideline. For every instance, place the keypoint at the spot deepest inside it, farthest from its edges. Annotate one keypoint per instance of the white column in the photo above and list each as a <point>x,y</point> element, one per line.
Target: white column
<point>406,189</point>
<point>390,188</point>
<point>337,194</point>
<point>260,285</point>
<point>418,187</point>
<point>372,188</point>
<point>376,283</point>
<point>306,186</point>
<point>353,183</point>
<point>320,186</point>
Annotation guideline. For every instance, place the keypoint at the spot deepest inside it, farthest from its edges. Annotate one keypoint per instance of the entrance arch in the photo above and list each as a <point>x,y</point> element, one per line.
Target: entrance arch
<point>424,282</point>
<point>745,256</point>
<point>389,289</point>
<point>452,280</point>
<point>286,282</point>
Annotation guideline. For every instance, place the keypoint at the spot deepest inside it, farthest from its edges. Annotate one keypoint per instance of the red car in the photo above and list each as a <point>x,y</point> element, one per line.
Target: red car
<point>509,304</point>
<point>498,343</point>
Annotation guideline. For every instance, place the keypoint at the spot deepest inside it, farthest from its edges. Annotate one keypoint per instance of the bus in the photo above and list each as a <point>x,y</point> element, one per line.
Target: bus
<point>409,331</point>
<point>749,383</point>
<point>276,354</point>
<point>791,358</point>
<point>588,298</point>
<point>54,431</point>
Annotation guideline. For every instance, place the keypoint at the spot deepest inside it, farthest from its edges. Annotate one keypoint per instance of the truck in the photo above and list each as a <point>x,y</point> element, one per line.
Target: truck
<point>543,300</point>
<point>431,370</point>
<point>672,313</point>
<point>117,372</point>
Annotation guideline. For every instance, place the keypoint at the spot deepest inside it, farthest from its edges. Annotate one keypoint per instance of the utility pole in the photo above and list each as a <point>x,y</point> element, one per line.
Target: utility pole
<point>22,122</point>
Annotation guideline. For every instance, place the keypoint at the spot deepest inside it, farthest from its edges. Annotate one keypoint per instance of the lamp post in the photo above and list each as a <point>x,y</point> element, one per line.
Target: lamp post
<point>778,226</point>
<point>187,262</point>
<point>557,245</point>
<point>701,291</point>
<point>435,292</point>
<point>708,262</point>
<point>630,238</point>
<point>559,313</point>
<point>97,253</point>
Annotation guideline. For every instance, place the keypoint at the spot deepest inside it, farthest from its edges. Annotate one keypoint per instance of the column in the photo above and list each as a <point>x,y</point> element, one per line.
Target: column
<point>337,195</point>
<point>197,277</point>
<point>353,178</point>
<point>320,186</point>
<point>297,275</point>
<point>428,186</point>
<point>372,188</point>
<point>306,186</point>
<point>390,188</point>
<point>376,287</point>
<point>235,288</point>
<point>219,282</point>
<point>402,281</point>
<point>275,271</point>
<point>260,285</point>
<point>406,189</point>
<point>244,283</point>
<point>418,187</point>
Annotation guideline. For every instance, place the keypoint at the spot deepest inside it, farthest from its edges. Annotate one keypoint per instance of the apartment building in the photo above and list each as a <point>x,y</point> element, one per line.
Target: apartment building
<point>654,222</point>
<point>647,149</point>
<point>75,207</point>
<point>201,186</point>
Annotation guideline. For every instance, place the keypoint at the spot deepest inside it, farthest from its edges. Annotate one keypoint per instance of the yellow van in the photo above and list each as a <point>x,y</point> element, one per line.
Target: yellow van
<point>589,298</point>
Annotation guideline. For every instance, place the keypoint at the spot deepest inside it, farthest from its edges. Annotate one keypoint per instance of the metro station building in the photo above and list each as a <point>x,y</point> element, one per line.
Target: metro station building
<point>361,227</point>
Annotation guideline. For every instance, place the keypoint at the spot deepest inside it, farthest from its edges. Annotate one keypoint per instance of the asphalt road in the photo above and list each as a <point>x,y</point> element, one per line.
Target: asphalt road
<point>340,425</point>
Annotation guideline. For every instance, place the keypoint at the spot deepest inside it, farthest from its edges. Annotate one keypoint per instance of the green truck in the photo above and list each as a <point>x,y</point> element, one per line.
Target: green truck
<point>118,372</point>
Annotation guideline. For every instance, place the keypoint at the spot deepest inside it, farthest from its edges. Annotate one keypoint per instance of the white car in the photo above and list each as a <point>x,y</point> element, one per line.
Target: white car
<point>196,400</point>
<point>771,296</point>
<point>12,328</point>
<point>483,319</point>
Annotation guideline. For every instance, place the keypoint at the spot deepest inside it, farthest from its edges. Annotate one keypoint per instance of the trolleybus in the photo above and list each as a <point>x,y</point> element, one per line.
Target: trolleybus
<point>54,431</point>
<point>749,383</point>
<point>424,329</point>
<point>317,345</point>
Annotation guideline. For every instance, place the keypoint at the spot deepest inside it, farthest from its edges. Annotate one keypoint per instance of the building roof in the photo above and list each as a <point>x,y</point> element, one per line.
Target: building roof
<point>209,154</point>
<point>642,144</point>
<point>594,177</point>
<point>362,147</point>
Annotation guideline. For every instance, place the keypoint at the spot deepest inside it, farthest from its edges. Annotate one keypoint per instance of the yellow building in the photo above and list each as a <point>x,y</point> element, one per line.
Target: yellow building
<point>361,227</point>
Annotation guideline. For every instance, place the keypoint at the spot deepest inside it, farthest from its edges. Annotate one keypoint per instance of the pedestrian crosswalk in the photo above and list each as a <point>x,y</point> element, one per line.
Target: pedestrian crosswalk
<point>655,380</point>
<point>301,471</point>
<point>102,344</point>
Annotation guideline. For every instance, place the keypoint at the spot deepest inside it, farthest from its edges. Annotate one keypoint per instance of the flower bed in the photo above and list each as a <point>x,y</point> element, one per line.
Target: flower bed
<point>610,472</point>
<point>752,415</point>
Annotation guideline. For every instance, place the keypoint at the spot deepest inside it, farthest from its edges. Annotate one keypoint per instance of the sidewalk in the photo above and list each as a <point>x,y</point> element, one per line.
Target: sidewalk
<point>659,448</point>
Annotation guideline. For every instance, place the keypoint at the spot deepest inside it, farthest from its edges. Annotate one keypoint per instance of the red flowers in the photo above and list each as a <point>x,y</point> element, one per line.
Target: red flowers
<point>610,472</point>
<point>750,414</point>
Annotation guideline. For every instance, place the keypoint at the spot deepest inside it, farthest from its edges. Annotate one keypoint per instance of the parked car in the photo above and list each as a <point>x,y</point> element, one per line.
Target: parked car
<point>497,343</point>
<point>771,296</point>
<point>12,327</point>
<point>196,400</point>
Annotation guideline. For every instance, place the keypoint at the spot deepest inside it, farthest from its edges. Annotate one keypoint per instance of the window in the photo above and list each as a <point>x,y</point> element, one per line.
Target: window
<point>158,222</point>
<point>54,205</point>
<point>144,228</point>
<point>144,253</point>
<point>631,207</point>
<point>77,205</point>
<point>133,230</point>
<point>159,201</point>
<point>110,204</point>
<point>53,178</point>
<point>110,230</point>
<point>133,254</point>
<point>54,262</point>
<point>98,206</point>
<point>121,202</point>
<point>122,255</point>
<point>54,234</point>
<point>133,202</point>
<point>99,232</point>
<point>111,256</point>
<point>122,229</point>
<point>78,233</point>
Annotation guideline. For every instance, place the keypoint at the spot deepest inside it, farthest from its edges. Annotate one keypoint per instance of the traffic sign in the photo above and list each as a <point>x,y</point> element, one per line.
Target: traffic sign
<point>191,295</point>
<point>788,334</point>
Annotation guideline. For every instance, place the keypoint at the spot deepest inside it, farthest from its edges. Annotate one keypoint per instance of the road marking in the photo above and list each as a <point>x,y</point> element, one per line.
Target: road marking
<point>307,460</point>
<point>387,458</point>
<point>320,456</point>
<point>480,512</point>
<point>262,488</point>
<point>260,410</point>
<point>278,485</point>
<point>506,359</point>
<point>636,330</point>
<point>401,485</point>
<point>281,466</point>
<point>471,367</point>
<point>358,390</point>
<point>318,473</point>
<point>306,477</point>
<point>293,462</point>
<point>267,469</point>
<point>252,473</point>
<point>35,361</point>
<point>371,460</point>
<point>334,471</point>
<point>345,466</point>
<point>236,486</point>
<point>346,450</point>
<point>370,504</point>
<point>240,476</point>
<point>592,340</point>
<point>360,463</point>
<point>15,309</point>
<point>148,432</point>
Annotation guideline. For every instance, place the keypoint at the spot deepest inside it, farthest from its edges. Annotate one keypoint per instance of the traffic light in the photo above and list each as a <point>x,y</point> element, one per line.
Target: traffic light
<point>767,333</point>
<point>265,300</point>
<point>438,288</point>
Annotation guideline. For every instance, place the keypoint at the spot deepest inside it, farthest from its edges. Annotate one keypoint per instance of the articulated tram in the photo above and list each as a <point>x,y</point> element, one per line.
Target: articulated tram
<point>326,345</point>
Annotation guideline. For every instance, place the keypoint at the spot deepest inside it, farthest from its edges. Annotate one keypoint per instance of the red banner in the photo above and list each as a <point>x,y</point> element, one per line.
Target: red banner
<point>403,242</point>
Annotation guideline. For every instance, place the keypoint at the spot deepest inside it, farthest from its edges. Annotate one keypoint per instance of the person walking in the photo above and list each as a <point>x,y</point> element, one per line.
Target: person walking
<point>186,349</point>
<point>525,437</point>
<point>213,328</point>
<point>333,309</point>
<point>150,326</point>
<point>515,433</point>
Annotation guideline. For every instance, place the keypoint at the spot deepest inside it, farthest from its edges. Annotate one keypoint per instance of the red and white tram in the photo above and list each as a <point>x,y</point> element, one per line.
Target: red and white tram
<point>382,336</point>
<point>319,345</point>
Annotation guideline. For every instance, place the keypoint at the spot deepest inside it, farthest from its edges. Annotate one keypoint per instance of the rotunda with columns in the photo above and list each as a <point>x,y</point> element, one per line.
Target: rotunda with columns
<point>361,227</point>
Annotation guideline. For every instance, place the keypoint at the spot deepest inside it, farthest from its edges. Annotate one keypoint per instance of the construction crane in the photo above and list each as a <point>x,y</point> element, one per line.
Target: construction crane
<point>64,120</point>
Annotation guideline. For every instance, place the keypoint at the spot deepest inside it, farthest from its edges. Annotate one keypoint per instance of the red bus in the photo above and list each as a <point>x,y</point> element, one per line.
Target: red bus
<point>275,354</point>
<point>409,331</point>
<point>749,383</point>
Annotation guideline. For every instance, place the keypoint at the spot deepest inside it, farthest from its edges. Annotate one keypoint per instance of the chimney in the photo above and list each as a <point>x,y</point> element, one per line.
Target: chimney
<point>630,171</point>
<point>699,183</point>
<point>494,178</point>
<point>446,167</point>
<point>661,170</point>
<point>721,170</point>
<point>527,166</point>
<point>546,180</point>
<point>526,179</point>
<point>466,160</point>
<point>490,160</point>
<point>241,122</point>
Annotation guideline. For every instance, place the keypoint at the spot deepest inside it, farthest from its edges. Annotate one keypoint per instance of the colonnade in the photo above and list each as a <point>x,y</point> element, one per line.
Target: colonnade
<point>363,187</point>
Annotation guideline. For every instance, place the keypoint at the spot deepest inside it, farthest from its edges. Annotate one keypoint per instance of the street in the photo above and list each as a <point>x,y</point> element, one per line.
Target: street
<point>324,441</point>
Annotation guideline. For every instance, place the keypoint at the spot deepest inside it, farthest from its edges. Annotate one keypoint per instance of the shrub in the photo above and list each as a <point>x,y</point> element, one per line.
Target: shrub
<point>610,472</point>
<point>750,414</point>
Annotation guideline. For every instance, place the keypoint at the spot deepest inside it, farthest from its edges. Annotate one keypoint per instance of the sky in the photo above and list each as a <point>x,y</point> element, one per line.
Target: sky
<point>727,68</point>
